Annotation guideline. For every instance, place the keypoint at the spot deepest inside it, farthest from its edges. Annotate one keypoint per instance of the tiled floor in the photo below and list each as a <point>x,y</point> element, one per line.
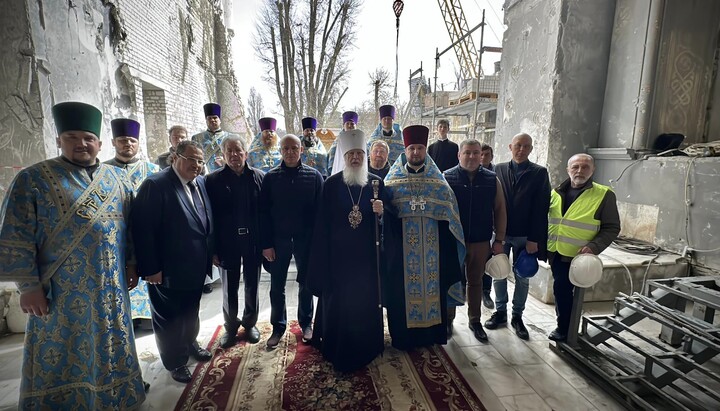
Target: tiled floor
<point>506,373</point>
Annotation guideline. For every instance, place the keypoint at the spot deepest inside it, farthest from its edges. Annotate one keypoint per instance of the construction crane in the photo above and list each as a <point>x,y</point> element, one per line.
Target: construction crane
<point>457,27</point>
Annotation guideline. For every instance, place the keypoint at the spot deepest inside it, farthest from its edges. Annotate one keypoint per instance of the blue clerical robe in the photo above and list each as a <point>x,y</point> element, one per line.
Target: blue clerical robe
<point>211,143</point>
<point>137,171</point>
<point>315,157</point>
<point>261,157</point>
<point>65,232</point>
<point>424,244</point>
<point>395,141</point>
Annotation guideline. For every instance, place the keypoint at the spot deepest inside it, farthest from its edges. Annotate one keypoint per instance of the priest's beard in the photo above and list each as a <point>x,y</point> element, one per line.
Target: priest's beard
<point>356,176</point>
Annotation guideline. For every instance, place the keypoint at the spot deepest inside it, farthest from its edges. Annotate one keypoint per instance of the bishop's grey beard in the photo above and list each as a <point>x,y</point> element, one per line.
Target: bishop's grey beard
<point>356,176</point>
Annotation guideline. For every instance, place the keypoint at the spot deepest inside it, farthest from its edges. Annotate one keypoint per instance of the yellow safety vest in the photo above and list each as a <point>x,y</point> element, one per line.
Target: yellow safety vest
<point>568,233</point>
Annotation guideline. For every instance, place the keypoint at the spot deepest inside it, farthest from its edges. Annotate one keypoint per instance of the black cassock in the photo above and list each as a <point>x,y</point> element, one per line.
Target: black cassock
<point>343,274</point>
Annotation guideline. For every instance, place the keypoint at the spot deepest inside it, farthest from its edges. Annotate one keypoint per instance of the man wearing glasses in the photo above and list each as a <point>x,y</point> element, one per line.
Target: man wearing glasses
<point>172,230</point>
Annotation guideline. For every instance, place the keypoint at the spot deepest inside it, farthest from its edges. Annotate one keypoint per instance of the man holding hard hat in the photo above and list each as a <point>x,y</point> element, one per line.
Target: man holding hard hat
<point>583,219</point>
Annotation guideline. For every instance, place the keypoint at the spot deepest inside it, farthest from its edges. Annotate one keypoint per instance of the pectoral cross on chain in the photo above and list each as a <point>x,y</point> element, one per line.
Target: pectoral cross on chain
<point>417,201</point>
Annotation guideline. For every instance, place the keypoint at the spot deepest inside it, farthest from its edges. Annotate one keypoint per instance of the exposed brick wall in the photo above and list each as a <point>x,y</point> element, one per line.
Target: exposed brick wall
<point>171,46</point>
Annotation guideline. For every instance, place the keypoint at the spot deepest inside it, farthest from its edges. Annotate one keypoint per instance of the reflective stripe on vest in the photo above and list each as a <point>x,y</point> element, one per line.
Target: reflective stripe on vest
<point>568,233</point>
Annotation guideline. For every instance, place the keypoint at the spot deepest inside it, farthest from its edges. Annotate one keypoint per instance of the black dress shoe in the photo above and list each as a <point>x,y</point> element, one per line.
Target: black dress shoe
<point>556,335</point>
<point>519,327</point>
<point>253,335</point>
<point>497,319</point>
<point>201,355</point>
<point>207,288</point>
<point>228,339</point>
<point>478,332</point>
<point>181,374</point>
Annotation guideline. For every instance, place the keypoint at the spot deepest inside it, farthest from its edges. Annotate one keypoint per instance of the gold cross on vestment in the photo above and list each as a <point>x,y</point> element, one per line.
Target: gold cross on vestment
<point>417,201</point>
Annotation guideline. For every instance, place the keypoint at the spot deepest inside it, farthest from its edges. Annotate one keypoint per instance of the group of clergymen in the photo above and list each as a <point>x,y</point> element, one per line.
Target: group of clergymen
<point>375,223</point>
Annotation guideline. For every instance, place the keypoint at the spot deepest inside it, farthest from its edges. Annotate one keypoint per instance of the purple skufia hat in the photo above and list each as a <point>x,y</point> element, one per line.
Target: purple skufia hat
<point>267,123</point>
<point>125,127</point>
<point>309,122</point>
<point>350,116</point>
<point>387,111</point>
<point>212,109</point>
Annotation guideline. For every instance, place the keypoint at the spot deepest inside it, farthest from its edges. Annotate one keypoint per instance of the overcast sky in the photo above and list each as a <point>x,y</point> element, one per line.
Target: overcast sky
<point>422,30</point>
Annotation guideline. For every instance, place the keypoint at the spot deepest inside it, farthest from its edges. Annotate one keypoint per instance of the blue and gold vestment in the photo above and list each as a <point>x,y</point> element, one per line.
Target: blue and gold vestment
<point>65,232</point>
<point>395,141</point>
<point>262,158</point>
<point>422,200</point>
<point>137,172</point>
<point>211,144</point>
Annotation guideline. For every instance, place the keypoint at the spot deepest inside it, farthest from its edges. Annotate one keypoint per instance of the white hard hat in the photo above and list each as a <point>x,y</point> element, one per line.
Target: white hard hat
<point>498,267</point>
<point>585,270</point>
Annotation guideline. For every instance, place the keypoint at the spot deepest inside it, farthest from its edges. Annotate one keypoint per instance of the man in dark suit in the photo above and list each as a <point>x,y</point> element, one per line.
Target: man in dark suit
<point>172,224</point>
<point>234,191</point>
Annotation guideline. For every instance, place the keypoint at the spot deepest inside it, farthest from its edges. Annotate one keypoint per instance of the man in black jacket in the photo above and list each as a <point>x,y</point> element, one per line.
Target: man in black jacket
<point>288,200</point>
<point>481,203</point>
<point>443,151</point>
<point>527,197</point>
<point>234,191</point>
<point>173,231</point>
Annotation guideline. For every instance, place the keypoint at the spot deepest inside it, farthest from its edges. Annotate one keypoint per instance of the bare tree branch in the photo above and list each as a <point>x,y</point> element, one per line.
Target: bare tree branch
<point>308,73</point>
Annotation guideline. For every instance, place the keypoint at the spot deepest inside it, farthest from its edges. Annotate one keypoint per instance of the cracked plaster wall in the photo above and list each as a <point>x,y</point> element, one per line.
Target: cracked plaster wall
<point>555,65</point>
<point>105,53</point>
<point>654,191</point>
<point>676,99</point>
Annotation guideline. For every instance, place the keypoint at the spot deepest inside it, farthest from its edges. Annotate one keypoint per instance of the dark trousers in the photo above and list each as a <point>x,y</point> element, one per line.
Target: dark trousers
<point>487,283</point>
<point>231,284</point>
<point>284,251</point>
<point>175,323</point>
<point>563,290</point>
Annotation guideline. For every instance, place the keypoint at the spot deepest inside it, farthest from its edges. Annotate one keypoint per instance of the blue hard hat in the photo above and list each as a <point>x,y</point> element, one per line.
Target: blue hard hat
<point>526,265</point>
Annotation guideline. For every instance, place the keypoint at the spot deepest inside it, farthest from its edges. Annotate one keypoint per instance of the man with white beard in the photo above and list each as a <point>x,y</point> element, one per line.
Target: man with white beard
<point>343,268</point>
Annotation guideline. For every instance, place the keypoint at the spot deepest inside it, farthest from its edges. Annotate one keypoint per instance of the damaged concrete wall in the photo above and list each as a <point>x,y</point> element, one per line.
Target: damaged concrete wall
<point>676,100</point>
<point>21,120</point>
<point>112,54</point>
<point>660,73</point>
<point>51,52</point>
<point>555,54</point>
<point>657,206</point>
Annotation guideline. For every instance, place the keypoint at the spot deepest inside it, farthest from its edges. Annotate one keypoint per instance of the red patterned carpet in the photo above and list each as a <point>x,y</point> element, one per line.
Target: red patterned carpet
<point>294,376</point>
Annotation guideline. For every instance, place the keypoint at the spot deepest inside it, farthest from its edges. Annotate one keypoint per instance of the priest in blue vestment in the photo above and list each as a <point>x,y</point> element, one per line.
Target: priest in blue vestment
<point>63,240</point>
<point>126,141</point>
<point>424,244</point>
<point>343,269</point>
<point>349,122</point>
<point>264,152</point>
<point>314,153</point>
<point>389,132</point>
<point>211,138</point>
